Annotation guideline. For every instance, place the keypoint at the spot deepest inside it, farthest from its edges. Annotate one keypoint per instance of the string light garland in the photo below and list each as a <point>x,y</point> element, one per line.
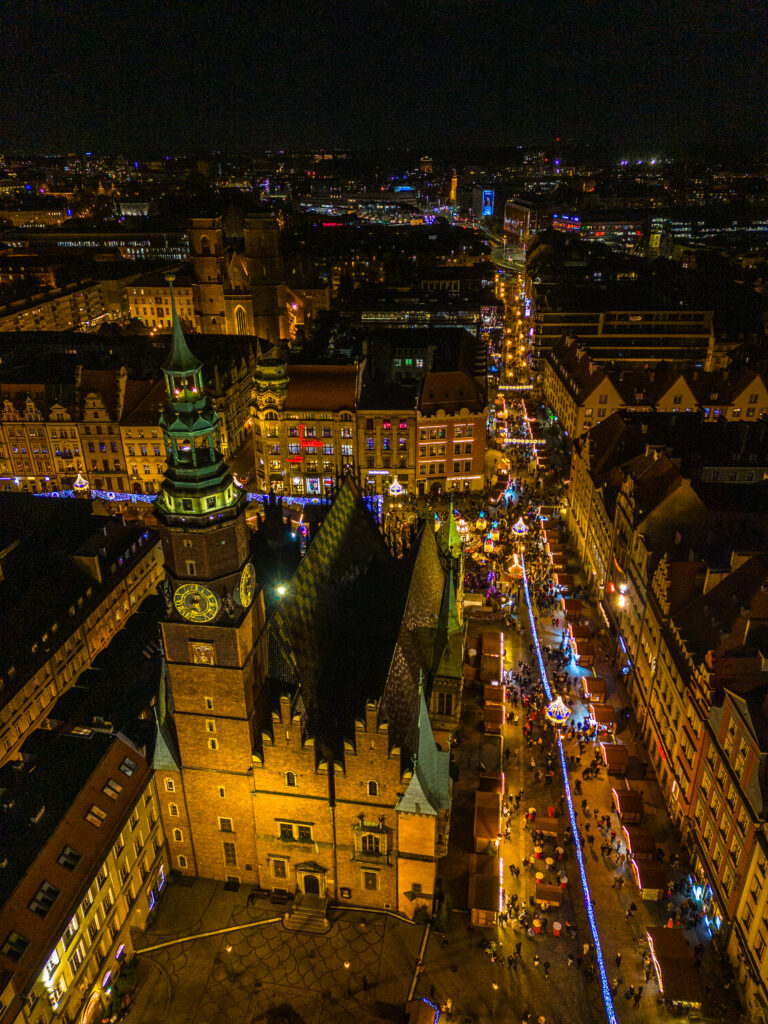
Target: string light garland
<point>607,997</point>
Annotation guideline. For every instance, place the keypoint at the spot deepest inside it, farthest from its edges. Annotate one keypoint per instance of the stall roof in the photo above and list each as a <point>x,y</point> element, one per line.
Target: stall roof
<point>487,815</point>
<point>572,605</point>
<point>550,893</point>
<point>639,841</point>
<point>490,784</point>
<point>594,685</point>
<point>604,715</point>
<point>650,874</point>
<point>616,755</point>
<point>628,801</point>
<point>581,632</point>
<point>549,826</point>
<point>675,962</point>
<point>483,882</point>
<point>493,693</point>
<point>493,714</point>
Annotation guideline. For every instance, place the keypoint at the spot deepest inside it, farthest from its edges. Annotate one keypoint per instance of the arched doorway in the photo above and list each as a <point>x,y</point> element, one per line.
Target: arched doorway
<point>311,885</point>
<point>241,320</point>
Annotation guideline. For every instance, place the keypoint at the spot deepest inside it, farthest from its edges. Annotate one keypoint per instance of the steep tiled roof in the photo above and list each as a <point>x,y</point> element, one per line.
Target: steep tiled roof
<point>331,387</point>
<point>331,638</point>
<point>451,391</point>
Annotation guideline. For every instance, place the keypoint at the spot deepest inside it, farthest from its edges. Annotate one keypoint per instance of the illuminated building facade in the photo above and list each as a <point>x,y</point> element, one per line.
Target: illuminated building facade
<point>451,422</point>
<point>86,866</point>
<point>304,425</point>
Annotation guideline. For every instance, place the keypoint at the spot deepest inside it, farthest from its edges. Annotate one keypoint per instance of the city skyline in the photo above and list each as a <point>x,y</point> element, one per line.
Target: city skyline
<point>386,73</point>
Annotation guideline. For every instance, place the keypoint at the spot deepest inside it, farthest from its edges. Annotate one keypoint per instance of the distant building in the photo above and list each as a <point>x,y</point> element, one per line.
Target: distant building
<point>452,433</point>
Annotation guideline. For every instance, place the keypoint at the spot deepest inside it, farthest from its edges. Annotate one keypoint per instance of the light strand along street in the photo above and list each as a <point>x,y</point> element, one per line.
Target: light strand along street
<point>607,998</point>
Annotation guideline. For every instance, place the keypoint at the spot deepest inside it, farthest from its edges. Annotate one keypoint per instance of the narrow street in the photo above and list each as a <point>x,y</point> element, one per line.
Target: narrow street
<point>531,968</point>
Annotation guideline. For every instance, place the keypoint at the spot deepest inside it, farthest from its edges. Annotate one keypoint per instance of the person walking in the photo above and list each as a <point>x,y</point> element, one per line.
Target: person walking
<point>536,960</point>
<point>570,959</point>
<point>618,959</point>
<point>546,966</point>
<point>637,996</point>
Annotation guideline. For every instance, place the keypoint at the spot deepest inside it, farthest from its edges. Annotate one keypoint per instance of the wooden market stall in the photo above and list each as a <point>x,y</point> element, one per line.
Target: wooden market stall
<point>587,652</point>
<point>651,877</point>
<point>487,824</point>
<point>494,693</point>
<point>641,845</point>
<point>494,717</point>
<point>675,966</point>
<point>629,805</point>
<point>551,895</point>
<point>564,580</point>
<point>548,827</point>
<point>595,689</point>
<point>603,716</point>
<point>483,889</point>
<point>573,608</point>
<point>616,757</point>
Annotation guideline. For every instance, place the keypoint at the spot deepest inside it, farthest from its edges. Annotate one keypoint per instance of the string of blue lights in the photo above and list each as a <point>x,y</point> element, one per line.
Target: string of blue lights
<point>375,500</point>
<point>607,997</point>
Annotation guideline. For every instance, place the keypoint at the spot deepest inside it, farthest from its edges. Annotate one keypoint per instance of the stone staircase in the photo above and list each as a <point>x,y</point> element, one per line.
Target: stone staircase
<point>308,914</point>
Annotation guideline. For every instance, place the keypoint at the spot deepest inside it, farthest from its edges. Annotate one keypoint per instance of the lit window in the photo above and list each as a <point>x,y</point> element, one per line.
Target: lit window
<point>177,835</point>
<point>170,786</point>
<point>112,789</point>
<point>95,816</point>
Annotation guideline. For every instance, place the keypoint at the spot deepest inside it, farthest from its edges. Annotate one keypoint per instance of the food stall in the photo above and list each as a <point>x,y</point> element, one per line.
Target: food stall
<point>564,580</point>
<point>595,689</point>
<point>483,889</point>
<point>629,805</point>
<point>603,716</point>
<point>641,845</point>
<point>616,757</point>
<point>573,608</point>
<point>487,822</point>
<point>494,693</point>
<point>651,877</point>
<point>675,967</point>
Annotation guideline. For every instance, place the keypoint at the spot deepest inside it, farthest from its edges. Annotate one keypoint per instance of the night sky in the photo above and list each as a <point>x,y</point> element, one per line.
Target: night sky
<point>141,75</point>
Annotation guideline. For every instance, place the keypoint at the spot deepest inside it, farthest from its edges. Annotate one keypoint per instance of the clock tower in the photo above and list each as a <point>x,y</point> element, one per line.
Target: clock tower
<point>214,657</point>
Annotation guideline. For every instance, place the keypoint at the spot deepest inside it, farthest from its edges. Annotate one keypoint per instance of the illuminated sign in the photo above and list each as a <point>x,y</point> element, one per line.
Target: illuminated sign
<point>487,204</point>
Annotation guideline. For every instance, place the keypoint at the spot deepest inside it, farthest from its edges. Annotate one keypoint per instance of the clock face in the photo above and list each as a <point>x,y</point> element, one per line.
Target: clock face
<point>196,602</point>
<point>247,586</point>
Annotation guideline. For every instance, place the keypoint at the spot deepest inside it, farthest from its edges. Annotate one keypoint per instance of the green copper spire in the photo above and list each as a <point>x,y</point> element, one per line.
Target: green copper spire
<point>180,359</point>
<point>198,488</point>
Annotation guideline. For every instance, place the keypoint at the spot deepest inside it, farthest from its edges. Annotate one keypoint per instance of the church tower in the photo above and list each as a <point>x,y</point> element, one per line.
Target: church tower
<point>206,241</point>
<point>214,661</point>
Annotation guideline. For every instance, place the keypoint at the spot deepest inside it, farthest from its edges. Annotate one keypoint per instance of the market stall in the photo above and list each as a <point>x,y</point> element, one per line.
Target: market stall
<point>549,827</point>
<point>629,805</point>
<point>651,877</point>
<point>641,845</point>
<point>616,757</point>
<point>675,967</point>
<point>494,693</point>
<point>587,653</point>
<point>603,716</point>
<point>487,822</point>
<point>595,689</point>
<point>494,717</point>
<point>573,608</point>
<point>483,890</point>
<point>549,895</point>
